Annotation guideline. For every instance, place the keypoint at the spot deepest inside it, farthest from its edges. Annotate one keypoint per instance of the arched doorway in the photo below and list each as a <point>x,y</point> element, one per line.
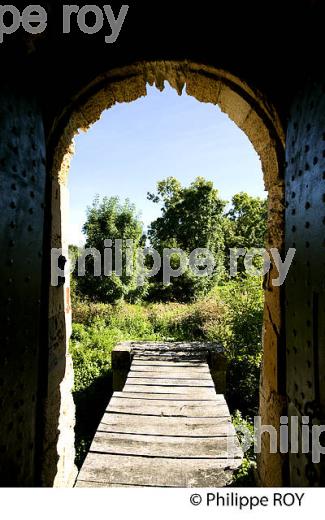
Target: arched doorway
<point>260,122</point>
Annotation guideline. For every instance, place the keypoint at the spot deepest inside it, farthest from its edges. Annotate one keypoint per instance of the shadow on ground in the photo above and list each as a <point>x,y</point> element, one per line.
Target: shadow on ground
<point>91,403</point>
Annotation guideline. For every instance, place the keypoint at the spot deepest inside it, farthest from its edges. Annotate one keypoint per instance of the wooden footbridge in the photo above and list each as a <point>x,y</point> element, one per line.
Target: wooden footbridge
<point>167,424</point>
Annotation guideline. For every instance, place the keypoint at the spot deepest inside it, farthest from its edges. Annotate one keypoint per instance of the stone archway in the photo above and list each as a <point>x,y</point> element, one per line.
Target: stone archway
<point>251,112</point>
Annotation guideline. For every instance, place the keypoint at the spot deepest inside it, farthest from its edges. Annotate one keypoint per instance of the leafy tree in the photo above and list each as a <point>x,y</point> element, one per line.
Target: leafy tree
<point>109,219</point>
<point>192,217</point>
<point>245,225</point>
<point>248,216</point>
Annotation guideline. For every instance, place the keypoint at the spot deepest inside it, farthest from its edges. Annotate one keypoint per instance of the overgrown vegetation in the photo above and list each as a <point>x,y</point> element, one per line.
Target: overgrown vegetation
<point>230,314</point>
<point>244,475</point>
<point>226,310</point>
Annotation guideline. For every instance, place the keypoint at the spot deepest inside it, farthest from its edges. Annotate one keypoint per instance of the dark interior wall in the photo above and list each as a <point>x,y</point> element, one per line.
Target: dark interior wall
<point>305,287</point>
<point>22,192</point>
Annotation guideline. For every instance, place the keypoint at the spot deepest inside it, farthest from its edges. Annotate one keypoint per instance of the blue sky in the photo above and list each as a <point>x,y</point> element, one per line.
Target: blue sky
<point>134,145</point>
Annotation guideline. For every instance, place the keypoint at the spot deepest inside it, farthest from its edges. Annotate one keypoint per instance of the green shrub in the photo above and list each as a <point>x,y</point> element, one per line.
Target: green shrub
<point>244,475</point>
<point>91,349</point>
<point>240,332</point>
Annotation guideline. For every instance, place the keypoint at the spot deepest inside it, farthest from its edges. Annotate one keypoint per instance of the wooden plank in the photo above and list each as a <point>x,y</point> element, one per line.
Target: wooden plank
<point>162,370</point>
<point>173,353</point>
<point>174,426</point>
<point>172,359</point>
<point>163,362</point>
<point>167,408</point>
<point>165,396</point>
<point>173,411</point>
<point>172,346</point>
<point>158,399</point>
<point>157,389</point>
<point>153,446</point>
<point>159,472</point>
<point>198,383</point>
<point>180,355</point>
<point>170,375</point>
<point>188,361</point>
<point>94,484</point>
<point>148,371</point>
